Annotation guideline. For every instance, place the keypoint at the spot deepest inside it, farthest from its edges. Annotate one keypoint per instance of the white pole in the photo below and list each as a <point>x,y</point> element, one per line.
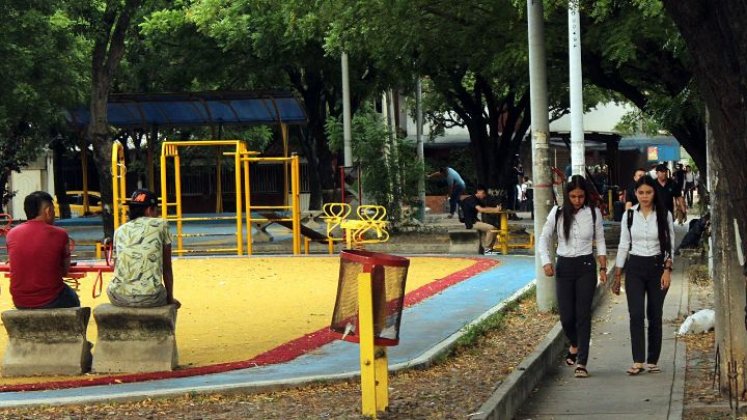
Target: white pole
<point>578,164</point>
<point>420,150</point>
<point>346,119</point>
<point>542,181</point>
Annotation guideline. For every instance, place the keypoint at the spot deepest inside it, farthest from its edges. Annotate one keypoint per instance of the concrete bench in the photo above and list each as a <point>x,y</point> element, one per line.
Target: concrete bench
<point>46,342</point>
<point>464,241</point>
<point>135,339</point>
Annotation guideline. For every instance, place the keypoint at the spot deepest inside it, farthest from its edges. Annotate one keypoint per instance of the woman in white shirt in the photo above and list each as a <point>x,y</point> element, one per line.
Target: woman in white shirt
<point>649,240</point>
<point>578,227</point>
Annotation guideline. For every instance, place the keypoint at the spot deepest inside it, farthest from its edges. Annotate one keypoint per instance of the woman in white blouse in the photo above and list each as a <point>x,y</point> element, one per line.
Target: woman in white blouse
<point>578,227</point>
<point>649,240</point>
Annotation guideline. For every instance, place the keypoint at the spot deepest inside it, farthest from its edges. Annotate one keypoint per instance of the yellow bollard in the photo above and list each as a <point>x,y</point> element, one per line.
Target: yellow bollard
<point>504,233</point>
<point>374,362</point>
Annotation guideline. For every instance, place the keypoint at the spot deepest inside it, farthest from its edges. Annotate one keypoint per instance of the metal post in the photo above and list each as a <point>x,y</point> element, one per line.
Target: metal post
<point>346,119</point>
<point>578,163</point>
<point>540,132</point>
<point>421,152</point>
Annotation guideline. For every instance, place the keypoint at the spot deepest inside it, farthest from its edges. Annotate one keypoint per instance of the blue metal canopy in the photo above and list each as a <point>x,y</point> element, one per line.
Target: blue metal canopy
<point>197,109</point>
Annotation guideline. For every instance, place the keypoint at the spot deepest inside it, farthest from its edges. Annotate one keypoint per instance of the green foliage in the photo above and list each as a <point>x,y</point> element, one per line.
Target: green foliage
<point>372,149</point>
<point>42,62</point>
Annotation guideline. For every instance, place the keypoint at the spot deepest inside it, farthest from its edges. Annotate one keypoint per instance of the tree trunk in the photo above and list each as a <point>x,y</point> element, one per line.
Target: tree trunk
<point>60,190</point>
<point>716,35</point>
<point>108,50</point>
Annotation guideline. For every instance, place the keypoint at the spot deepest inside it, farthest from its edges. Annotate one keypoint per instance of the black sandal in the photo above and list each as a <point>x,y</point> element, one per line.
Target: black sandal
<point>581,372</point>
<point>570,358</point>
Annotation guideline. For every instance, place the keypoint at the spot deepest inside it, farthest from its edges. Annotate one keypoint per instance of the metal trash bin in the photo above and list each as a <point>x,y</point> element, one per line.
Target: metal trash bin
<point>388,276</point>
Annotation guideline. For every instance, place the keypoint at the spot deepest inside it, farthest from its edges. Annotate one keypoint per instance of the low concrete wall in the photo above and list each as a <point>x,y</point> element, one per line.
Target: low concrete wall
<point>464,241</point>
<point>135,339</point>
<point>46,342</point>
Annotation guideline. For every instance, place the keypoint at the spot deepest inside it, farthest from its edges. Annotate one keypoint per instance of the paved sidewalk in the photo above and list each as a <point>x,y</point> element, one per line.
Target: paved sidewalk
<point>609,393</point>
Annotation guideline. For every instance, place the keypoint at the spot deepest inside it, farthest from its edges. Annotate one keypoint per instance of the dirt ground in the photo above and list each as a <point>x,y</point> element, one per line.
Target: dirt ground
<point>702,398</point>
<point>453,388</point>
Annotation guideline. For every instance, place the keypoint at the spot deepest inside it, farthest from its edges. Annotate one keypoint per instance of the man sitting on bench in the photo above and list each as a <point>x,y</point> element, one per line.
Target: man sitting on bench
<point>39,256</point>
<point>142,271</point>
<point>473,205</point>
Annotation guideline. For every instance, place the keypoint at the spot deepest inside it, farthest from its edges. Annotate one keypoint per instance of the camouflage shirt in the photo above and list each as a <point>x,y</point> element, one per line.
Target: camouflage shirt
<point>139,243</point>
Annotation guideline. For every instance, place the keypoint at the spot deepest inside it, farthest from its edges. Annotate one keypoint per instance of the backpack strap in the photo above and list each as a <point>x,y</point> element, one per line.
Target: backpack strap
<point>630,224</point>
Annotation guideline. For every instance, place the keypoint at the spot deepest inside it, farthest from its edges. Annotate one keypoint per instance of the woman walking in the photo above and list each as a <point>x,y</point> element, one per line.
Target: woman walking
<point>578,227</point>
<point>647,234</point>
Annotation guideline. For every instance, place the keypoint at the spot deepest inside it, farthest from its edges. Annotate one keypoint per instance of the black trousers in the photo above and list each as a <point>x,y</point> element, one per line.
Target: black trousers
<point>576,281</point>
<point>643,286</point>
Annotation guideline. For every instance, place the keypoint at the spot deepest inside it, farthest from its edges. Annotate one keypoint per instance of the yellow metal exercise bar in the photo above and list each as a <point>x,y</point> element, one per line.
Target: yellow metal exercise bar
<point>171,149</point>
<point>247,159</point>
<point>119,184</point>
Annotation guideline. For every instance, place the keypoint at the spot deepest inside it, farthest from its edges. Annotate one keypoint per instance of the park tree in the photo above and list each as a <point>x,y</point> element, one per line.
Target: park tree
<point>41,60</point>
<point>473,58</point>
<point>634,49</point>
<point>277,45</point>
<point>716,36</point>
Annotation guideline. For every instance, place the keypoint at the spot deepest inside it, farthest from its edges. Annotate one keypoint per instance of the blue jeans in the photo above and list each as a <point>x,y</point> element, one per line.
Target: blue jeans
<point>66,299</point>
<point>456,193</point>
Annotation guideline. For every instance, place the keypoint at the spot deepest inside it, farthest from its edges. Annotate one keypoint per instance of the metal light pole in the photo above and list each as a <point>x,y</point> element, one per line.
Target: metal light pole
<point>346,120</point>
<point>542,181</point>
<point>421,152</point>
<point>578,163</point>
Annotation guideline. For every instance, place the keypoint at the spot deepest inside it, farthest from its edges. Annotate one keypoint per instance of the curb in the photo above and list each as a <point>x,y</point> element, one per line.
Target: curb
<point>516,388</point>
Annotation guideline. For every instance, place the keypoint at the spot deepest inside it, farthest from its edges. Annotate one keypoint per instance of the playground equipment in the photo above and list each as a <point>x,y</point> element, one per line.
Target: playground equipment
<point>119,184</point>
<point>504,237</point>
<point>368,310</point>
<point>294,221</point>
<point>371,218</point>
<point>170,149</point>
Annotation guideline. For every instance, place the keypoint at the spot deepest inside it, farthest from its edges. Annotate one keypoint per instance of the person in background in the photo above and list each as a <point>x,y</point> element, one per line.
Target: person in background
<point>143,276</point>
<point>456,186</point>
<point>669,191</point>
<point>648,238</point>
<point>630,199</point>
<point>689,186</point>
<point>39,256</point>
<point>474,204</point>
<point>578,227</point>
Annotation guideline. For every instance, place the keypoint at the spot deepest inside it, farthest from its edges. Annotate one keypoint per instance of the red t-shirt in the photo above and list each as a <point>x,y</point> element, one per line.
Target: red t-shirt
<point>37,252</point>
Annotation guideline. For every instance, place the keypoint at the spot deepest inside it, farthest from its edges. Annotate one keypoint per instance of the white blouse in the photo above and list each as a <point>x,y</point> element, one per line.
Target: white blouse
<point>645,233</point>
<point>580,237</point>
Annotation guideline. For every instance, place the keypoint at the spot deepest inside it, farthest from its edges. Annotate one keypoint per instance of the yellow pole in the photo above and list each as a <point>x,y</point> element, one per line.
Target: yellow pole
<point>84,164</point>
<point>115,184</point>
<point>368,366</point>
<point>284,135</point>
<point>504,233</point>
<point>164,190</point>
<point>237,178</point>
<point>610,209</point>
<point>248,199</point>
<point>178,196</point>
<point>295,186</point>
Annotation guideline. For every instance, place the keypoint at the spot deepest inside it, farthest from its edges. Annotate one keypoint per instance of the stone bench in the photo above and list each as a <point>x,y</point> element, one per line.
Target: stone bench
<point>46,342</point>
<point>135,339</point>
<point>464,241</point>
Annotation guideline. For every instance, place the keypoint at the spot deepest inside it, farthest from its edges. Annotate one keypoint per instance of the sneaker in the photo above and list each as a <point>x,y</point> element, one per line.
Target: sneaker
<point>450,216</point>
<point>491,251</point>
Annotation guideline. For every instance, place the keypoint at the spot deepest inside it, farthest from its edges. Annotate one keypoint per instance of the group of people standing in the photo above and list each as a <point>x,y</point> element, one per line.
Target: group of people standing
<point>645,251</point>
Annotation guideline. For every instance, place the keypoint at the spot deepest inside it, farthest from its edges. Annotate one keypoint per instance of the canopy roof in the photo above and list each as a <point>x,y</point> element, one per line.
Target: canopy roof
<point>197,109</point>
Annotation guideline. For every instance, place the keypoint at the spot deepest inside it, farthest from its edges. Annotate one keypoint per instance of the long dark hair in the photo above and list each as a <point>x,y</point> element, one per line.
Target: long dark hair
<point>662,215</point>
<point>577,182</point>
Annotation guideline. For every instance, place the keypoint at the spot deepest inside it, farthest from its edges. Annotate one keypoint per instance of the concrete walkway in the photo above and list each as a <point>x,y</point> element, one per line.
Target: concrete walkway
<point>609,393</point>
